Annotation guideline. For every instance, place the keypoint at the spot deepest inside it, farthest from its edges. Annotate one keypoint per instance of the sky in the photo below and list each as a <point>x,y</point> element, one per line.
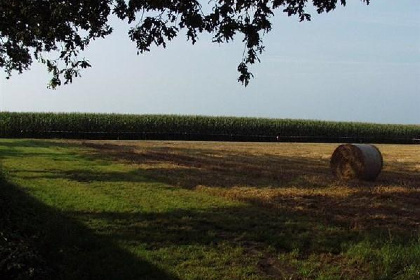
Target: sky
<point>358,63</point>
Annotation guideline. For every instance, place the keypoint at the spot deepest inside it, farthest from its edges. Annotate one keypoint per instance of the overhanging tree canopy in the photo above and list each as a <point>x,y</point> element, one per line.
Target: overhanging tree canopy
<point>31,29</point>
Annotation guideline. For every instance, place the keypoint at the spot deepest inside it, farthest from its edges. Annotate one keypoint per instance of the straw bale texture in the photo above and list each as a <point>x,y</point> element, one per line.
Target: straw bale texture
<point>356,161</point>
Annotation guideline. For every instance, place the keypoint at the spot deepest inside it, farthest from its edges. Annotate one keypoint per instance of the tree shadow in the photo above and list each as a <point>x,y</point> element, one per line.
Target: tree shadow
<point>363,212</point>
<point>188,167</point>
<point>57,246</point>
<point>395,208</point>
<point>369,206</point>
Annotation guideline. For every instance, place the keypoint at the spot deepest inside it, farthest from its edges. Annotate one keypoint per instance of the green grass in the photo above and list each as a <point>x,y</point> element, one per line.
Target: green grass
<point>102,213</point>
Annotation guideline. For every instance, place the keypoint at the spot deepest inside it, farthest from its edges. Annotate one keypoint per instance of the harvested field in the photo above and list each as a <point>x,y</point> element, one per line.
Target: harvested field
<point>285,175</point>
<point>217,210</point>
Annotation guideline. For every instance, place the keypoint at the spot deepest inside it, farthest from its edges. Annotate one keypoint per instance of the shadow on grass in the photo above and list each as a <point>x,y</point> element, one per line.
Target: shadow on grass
<point>243,226</point>
<point>39,242</point>
<point>188,167</point>
<point>364,210</point>
<point>310,223</point>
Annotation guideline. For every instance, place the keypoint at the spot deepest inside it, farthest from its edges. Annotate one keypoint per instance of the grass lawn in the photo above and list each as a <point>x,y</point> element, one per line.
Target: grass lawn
<point>204,210</point>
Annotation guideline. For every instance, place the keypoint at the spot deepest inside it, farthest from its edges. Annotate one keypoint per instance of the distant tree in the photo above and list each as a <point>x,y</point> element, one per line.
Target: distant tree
<point>55,32</point>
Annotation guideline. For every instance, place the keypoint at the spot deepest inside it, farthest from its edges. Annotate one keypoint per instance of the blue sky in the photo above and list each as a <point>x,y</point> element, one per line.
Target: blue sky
<point>357,63</point>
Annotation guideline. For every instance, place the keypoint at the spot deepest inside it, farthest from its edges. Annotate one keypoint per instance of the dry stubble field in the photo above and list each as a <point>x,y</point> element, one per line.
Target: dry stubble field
<point>286,176</point>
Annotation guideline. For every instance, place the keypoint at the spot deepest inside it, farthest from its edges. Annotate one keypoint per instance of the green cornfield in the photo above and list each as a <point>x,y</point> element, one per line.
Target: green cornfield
<point>177,127</point>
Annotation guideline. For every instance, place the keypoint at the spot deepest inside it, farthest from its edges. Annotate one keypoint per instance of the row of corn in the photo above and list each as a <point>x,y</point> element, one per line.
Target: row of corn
<point>111,126</point>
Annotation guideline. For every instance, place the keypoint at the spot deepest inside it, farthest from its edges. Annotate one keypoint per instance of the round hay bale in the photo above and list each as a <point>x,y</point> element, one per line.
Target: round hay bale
<point>356,161</point>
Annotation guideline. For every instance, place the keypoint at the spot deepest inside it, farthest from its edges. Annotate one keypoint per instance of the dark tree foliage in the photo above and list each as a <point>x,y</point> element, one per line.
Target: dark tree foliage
<point>55,32</point>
